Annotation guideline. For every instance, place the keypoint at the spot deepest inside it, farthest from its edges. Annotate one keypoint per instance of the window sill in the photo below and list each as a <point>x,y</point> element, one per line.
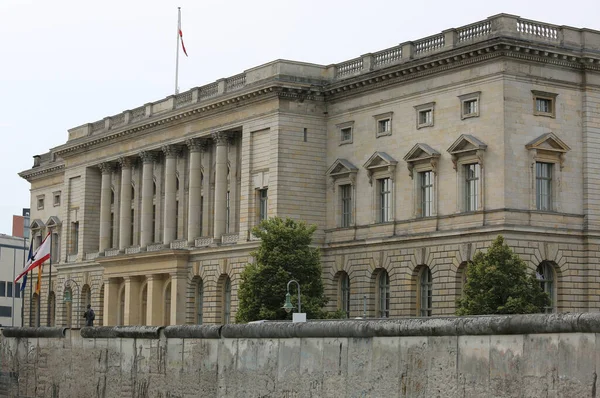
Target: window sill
<point>345,142</point>
<point>384,134</point>
<point>422,126</point>
<point>551,115</point>
<point>469,116</point>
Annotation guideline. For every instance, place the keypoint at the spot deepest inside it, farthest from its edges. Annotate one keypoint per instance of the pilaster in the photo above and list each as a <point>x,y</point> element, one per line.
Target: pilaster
<point>125,210</point>
<point>111,302</point>
<point>132,301</point>
<point>155,301</point>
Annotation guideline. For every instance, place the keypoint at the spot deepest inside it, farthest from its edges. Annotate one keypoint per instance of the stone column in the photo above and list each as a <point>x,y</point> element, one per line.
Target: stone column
<point>148,159</point>
<point>178,294</point>
<point>206,165</point>
<point>169,224</point>
<point>220,184</point>
<point>155,302</point>
<point>195,190</point>
<point>233,186</point>
<point>111,302</point>
<point>105,193</point>
<point>132,301</point>
<point>125,211</point>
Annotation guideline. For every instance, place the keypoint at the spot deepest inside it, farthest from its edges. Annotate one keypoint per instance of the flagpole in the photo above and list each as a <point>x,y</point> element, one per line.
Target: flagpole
<point>49,283</point>
<point>177,56</point>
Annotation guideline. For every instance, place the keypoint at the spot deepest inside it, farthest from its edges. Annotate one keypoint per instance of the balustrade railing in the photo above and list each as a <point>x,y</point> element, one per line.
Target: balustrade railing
<point>349,67</point>
<point>153,247</point>
<point>132,250</point>
<point>183,99</point>
<point>203,241</point>
<point>179,244</point>
<point>537,29</point>
<point>117,119</point>
<point>429,44</point>
<point>97,126</point>
<point>235,82</point>
<point>111,252</point>
<point>208,91</point>
<point>388,56</point>
<point>473,31</point>
<point>138,113</point>
<point>230,238</point>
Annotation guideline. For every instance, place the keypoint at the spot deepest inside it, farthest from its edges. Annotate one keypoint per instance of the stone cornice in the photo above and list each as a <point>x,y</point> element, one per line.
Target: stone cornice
<point>42,171</point>
<point>408,70</point>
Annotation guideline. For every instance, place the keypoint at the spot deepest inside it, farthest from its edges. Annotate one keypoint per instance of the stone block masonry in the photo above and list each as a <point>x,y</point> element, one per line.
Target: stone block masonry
<point>487,356</point>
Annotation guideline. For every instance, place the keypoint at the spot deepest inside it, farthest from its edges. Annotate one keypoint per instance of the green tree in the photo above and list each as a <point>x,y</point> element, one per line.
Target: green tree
<point>498,283</point>
<point>284,254</point>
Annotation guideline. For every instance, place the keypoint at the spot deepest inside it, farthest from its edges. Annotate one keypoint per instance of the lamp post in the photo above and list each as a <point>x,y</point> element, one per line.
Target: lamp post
<point>69,299</point>
<point>298,316</point>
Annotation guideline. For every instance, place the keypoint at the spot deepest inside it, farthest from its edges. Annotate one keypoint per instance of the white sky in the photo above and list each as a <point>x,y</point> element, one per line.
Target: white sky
<point>64,63</point>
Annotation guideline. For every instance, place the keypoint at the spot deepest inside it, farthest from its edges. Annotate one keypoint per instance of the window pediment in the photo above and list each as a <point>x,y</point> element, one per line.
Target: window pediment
<point>548,146</point>
<point>53,221</point>
<point>37,224</point>
<point>342,168</point>
<point>380,161</point>
<point>467,145</point>
<point>421,153</point>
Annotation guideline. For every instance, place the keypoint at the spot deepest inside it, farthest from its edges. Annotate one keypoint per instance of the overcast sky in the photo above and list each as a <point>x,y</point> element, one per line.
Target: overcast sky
<point>65,63</point>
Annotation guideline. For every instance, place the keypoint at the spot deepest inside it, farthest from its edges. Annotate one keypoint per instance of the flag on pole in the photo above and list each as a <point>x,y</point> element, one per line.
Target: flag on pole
<point>27,264</point>
<point>181,37</point>
<point>38,285</point>
<point>39,257</point>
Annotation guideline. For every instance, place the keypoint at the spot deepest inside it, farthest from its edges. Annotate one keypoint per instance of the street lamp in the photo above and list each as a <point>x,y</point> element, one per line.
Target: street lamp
<point>288,307</point>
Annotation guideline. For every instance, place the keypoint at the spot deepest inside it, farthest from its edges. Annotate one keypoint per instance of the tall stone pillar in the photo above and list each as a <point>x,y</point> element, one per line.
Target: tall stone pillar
<point>195,189</point>
<point>155,301</point>
<point>206,165</point>
<point>148,159</point>
<point>105,193</point>
<point>220,184</point>
<point>111,302</point>
<point>170,213</point>
<point>178,294</point>
<point>233,186</point>
<point>125,211</point>
<point>132,314</point>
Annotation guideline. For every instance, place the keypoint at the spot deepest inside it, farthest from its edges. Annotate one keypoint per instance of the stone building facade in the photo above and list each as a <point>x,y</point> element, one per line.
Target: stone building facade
<point>409,160</point>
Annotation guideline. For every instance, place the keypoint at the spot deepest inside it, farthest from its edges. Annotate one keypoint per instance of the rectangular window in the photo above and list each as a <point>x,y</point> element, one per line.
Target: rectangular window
<point>426,193</point>
<point>346,134</point>
<point>38,241</point>
<point>470,107</point>
<point>383,126</point>
<point>5,311</point>
<point>543,186</point>
<point>57,199</point>
<point>75,237</point>
<point>544,104</point>
<point>305,134</point>
<point>9,289</point>
<point>18,290</point>
<point>472,172</point>
<point>40,203</point>
<point>2,289</point>
<point>425,117</point>
<point>346,197</point>
<point>54,248</point>
<point>263,202</point>
<point>385,198</point>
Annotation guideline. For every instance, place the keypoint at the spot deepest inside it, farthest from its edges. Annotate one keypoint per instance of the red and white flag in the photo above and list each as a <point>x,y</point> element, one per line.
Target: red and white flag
<point>41,255</point>
<point>182,45</point>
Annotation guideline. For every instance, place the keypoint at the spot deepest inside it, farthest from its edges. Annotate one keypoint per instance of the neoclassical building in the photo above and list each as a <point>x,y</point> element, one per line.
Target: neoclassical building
<point>409,160</point>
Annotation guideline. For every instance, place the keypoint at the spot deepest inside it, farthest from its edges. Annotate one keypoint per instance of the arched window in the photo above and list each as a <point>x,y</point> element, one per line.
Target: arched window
<point>34,317</point>
<point>68,306</point>
<point>425,290</point>
<point>344,293</point>
<point>100,310</point>
<point>86,296</point>
<point>167,301</point>
<point>144,306</point>
<point>545,275</point>
<point>52,306</point>
<point>383,280</point>
<point>227,301</point>
<point>121,313</point>
<point>199,301</point>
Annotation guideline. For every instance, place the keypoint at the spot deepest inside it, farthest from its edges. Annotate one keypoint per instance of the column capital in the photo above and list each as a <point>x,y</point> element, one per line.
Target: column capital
<point>106,167</point>
<point>171,151</point>
<point>154,277</point>
<point>196,144</point>
<point>148,156</point>
<point>220,137</point>
<point>178,274</point>
<point>125,162</point>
